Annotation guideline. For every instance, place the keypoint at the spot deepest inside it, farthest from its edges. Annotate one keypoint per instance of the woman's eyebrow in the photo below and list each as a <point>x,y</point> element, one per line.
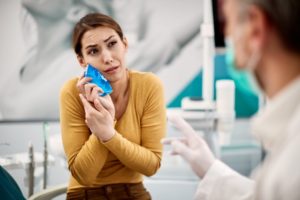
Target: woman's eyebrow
<point>91,45</point>
<point>95,45</point>
<point>108,38</point>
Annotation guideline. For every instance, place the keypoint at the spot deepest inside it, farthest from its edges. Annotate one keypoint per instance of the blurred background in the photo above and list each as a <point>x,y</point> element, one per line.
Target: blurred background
<point>37,58</point>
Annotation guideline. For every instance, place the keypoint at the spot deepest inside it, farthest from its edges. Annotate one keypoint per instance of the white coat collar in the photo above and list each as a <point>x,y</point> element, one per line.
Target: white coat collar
<point>270,125</point>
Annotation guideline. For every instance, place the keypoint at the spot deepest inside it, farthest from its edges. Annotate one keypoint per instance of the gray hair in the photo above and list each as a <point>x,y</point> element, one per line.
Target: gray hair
<point>284,15</point>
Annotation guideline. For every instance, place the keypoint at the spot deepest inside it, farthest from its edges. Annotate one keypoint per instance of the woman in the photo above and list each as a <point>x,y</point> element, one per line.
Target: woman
<point>265,35</point>
<point>110,141</point>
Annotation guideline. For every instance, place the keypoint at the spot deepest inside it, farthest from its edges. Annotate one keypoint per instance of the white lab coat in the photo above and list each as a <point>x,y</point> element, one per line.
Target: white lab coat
<point>277,127</point>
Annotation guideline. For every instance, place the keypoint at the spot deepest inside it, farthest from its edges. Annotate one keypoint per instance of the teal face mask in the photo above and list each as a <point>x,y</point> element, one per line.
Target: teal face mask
<point>242,78</point>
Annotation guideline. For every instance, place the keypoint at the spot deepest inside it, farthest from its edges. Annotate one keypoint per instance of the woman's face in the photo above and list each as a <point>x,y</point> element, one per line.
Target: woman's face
<point>103,48</point>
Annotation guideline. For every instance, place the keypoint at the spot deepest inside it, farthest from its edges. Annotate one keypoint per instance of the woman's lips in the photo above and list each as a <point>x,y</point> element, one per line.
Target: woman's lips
<point>111,70</point>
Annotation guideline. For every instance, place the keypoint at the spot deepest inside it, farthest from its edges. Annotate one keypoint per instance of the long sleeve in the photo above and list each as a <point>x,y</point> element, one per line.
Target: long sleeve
<point>144,157</point>
<point>135,150</point>
<point>221,182</point>
<point>86,155</point>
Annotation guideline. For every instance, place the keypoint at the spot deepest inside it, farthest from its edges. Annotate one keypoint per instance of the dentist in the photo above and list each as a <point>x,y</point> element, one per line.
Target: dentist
<point>265,37</point>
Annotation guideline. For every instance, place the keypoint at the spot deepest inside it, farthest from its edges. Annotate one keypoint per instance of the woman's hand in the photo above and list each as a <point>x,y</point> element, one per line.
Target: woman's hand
<point>91,92</point>
<point>108,104</point>
<point>82,81</point>
<point>98,119</point>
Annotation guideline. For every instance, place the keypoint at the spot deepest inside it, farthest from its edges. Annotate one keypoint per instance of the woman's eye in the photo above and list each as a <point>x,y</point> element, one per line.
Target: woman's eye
<point>92,51</point>
<point>112,43</point>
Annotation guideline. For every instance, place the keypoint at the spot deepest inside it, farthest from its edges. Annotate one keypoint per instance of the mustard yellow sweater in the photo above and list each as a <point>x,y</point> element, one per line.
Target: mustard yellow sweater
<point>135,149</point>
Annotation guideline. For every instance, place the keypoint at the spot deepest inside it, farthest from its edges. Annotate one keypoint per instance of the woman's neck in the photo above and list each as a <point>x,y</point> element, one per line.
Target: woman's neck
<point>120,87</point>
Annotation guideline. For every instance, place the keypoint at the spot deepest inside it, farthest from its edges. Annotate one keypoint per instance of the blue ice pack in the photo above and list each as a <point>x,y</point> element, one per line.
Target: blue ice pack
<point>98,79</point>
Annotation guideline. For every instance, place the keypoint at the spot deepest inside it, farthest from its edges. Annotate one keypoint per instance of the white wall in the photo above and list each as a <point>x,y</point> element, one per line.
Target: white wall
<point>12,44</point>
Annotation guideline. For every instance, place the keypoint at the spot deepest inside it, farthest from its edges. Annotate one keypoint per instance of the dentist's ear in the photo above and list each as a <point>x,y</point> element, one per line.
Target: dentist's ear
<point>81,61</point>
<point>260,28</point>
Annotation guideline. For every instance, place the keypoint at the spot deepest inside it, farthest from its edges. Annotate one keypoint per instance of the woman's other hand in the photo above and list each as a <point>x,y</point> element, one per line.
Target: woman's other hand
<point>98,119</point>
<point>82,81</point>
<point>91,92</point>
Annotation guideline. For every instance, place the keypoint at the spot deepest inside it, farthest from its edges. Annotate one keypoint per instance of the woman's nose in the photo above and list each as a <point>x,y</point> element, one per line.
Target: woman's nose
<point>107,57</point>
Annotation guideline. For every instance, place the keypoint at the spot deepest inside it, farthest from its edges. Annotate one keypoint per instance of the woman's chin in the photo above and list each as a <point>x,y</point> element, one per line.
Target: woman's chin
<point>116,76</point>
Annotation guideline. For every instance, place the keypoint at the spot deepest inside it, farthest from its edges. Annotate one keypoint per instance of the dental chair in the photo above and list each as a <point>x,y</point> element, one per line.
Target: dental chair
<point>56,147</point>
<point>49,193</point>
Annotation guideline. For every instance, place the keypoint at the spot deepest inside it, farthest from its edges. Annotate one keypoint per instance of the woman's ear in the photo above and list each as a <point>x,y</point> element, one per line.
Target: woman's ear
<point>81,61</point>
<point>125,42</point>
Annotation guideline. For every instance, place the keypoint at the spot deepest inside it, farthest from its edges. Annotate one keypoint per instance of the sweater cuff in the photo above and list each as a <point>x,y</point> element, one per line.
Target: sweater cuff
<point>112,142</point>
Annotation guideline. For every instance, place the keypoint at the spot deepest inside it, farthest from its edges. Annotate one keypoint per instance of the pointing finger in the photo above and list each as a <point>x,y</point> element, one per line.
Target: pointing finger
<point>182,125</point>
<point>181,149</point>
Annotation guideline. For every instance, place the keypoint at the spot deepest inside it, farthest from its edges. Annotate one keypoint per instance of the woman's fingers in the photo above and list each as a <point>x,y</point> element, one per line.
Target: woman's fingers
<point>87,106</point>
<point>107,103</point>
<point>98,105</point>
<point>88,90</point>
<point>91,111</point>
<point>95,92</point>
<point>81,83</point>
<point>92,91</point>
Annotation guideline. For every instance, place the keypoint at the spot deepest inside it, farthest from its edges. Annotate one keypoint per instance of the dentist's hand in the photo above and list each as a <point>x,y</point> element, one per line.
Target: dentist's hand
<point>191,147</point>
